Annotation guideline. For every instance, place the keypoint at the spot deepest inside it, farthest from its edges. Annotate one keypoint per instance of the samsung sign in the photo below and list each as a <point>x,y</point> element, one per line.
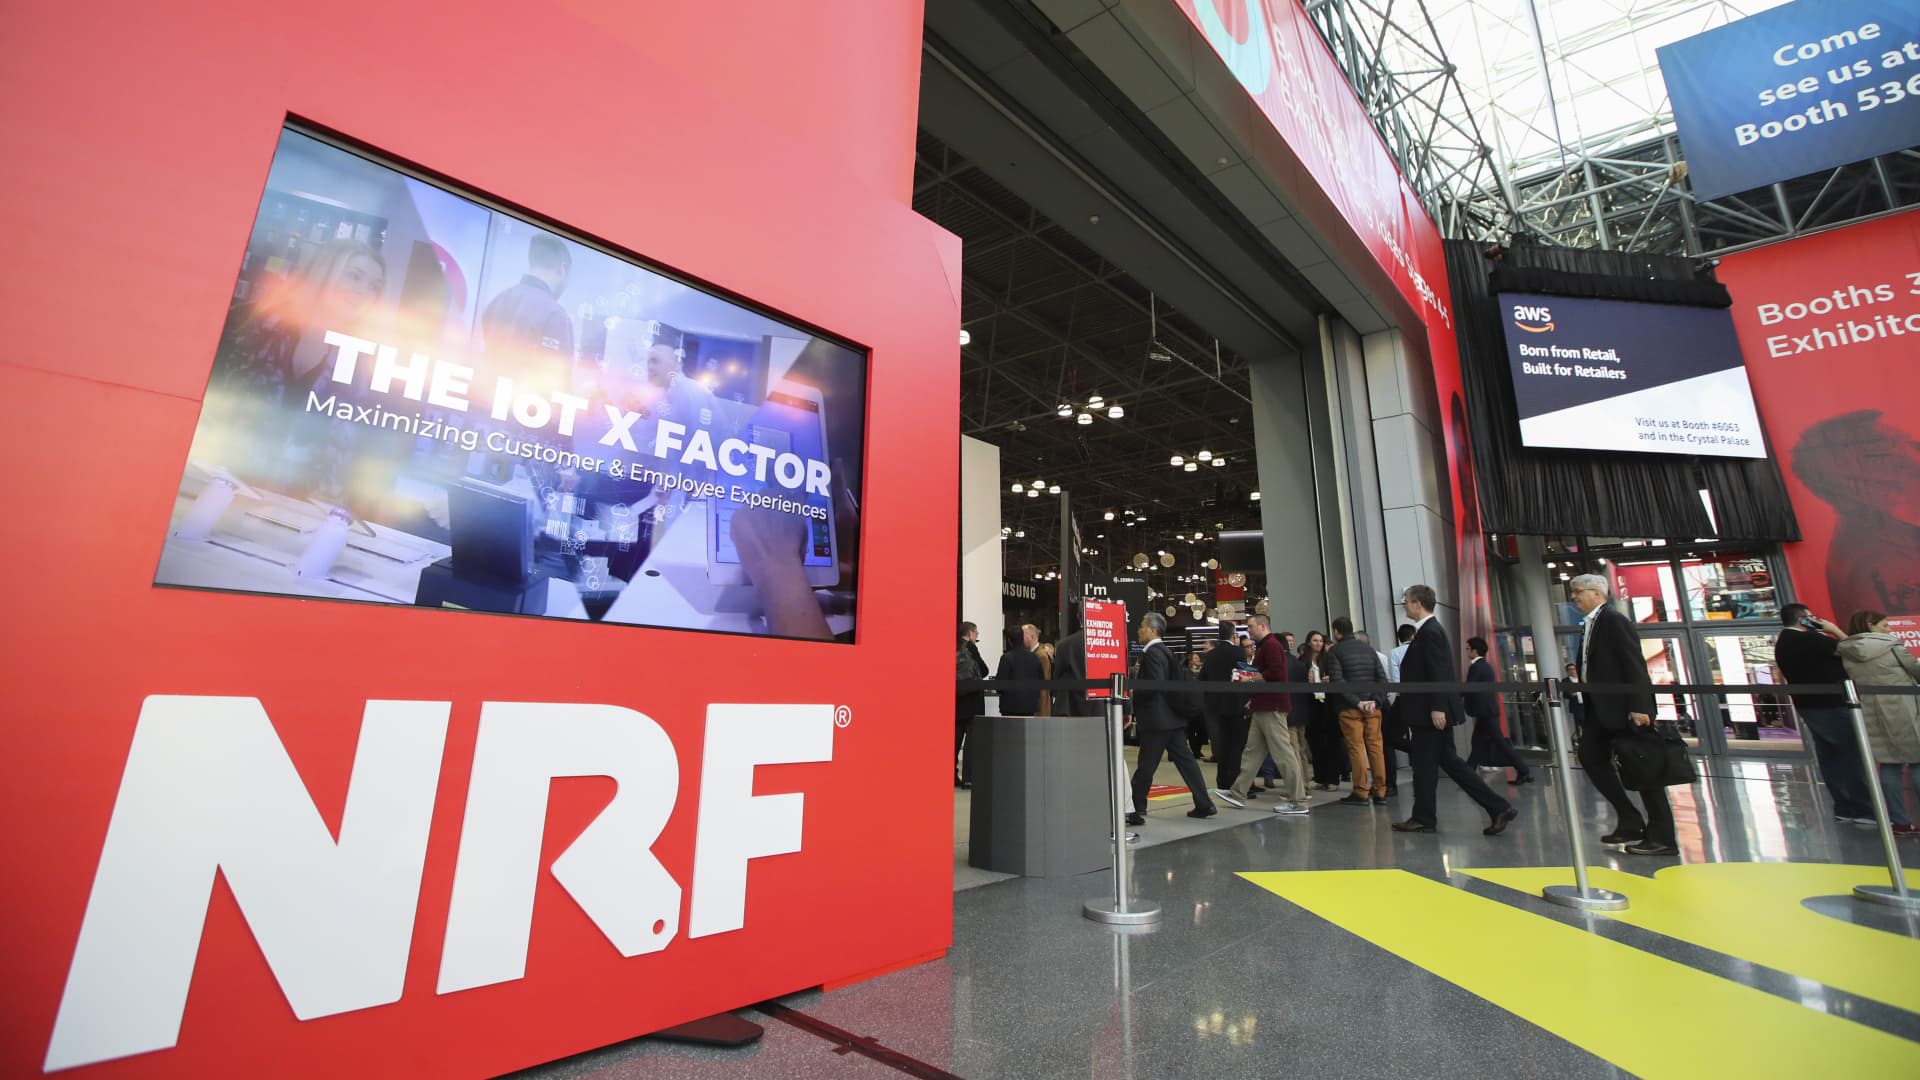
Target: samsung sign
<point>1804,87</point>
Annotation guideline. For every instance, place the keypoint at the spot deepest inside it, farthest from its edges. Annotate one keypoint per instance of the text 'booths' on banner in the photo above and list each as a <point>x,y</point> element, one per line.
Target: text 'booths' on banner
<point>1829,326</point>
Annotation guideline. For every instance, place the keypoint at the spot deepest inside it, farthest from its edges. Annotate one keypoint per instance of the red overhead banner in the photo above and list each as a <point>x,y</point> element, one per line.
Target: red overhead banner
<point>1829,326</point>
<point>1273,50</point>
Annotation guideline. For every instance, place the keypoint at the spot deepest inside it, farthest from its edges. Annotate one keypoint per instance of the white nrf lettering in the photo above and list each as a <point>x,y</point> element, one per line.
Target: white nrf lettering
<point>209,789</point>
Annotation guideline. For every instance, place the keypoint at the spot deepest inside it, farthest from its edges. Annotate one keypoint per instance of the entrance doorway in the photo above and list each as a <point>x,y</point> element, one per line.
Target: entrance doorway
<point>1704,615</point>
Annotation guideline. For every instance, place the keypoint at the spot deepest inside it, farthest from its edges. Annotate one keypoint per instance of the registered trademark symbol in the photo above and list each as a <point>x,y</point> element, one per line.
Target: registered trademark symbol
<point>842,716</point>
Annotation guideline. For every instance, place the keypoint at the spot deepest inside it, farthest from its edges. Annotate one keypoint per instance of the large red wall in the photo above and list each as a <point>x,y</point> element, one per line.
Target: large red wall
<point>1828,326</point>
<point>137,138</point>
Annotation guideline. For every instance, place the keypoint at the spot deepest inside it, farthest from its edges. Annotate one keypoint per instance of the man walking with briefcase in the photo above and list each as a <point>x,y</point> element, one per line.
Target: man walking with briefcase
<point>1620,721</point>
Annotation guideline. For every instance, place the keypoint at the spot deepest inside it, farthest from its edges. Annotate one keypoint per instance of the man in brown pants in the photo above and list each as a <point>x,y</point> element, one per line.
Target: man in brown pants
<point>1353,660</point>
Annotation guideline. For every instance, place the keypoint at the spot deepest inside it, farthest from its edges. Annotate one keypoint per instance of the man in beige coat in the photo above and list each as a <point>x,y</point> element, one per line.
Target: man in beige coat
<point>1874,657</point>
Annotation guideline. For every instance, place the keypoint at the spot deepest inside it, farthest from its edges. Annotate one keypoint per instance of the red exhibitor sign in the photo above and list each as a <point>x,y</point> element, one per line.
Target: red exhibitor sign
<point>1106,633</point>
<point>1829,325</point>
<point>329,754</point>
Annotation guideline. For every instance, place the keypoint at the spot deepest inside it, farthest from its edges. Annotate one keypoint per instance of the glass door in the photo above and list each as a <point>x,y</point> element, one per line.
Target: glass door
<point>1762,722</point>
<point>1667,666</point>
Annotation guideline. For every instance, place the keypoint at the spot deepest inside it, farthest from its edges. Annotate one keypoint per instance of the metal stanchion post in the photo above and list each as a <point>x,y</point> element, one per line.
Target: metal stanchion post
<point>1896,894</point>
<point>1118,909</point>
<point>1580,894</point>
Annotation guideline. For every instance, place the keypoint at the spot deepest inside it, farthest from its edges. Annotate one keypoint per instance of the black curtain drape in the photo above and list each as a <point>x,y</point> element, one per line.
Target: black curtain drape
<point>1589,493</point>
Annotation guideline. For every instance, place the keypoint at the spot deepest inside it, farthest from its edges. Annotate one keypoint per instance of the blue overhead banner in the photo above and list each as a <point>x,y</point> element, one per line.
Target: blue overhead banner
<point>1794,90</point>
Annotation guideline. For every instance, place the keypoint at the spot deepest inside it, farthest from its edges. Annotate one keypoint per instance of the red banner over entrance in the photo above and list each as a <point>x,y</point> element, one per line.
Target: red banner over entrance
<point>1277,56</point>
<point>1829,326</point>
<point>1106,632</point>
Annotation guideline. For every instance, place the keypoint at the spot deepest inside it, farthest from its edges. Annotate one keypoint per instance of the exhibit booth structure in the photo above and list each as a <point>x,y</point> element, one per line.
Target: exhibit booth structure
<point>475,450</point>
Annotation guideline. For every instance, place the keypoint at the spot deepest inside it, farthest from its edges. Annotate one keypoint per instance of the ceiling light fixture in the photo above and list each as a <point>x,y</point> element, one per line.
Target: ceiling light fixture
<point>1053,489</point>
<point>1219,462</point>
<point>1033,493</point>
<point>1020,534</point>
<point>1083,419</point>
<point>1064,412</point>
<point>1191,466</point>
<point>1176,461</point>
<point>1204,455</point>
<point>1115,412</point>
<point>1095,401</point>
<point>965,338</point>
<point>1017,489</point>
<point>1108,516</point>
<point>1254,497</point>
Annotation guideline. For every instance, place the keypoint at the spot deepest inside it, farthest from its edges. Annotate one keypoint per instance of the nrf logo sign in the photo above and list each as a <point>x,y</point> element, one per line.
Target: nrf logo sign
<point>1534,320</point>
<point>210,789</point>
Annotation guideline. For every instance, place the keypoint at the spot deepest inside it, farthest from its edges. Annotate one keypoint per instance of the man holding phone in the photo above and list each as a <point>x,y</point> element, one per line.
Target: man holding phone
<point>1808,651</point>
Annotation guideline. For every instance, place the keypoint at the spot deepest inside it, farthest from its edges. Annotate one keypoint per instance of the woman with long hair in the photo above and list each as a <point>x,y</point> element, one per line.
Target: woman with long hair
<point>274,351</point>
<point>1875,657</point>
<point>1323,729</point>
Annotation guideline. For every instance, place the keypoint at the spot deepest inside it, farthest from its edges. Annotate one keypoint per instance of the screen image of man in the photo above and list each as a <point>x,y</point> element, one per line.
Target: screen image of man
<point>526,319</point>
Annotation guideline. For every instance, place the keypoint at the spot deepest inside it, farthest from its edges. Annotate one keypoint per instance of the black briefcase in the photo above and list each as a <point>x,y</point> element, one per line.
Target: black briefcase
<point>1654,756</point>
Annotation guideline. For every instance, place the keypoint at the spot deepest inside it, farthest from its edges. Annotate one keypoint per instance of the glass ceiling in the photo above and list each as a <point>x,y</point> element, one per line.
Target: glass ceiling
<point>1606,90</point>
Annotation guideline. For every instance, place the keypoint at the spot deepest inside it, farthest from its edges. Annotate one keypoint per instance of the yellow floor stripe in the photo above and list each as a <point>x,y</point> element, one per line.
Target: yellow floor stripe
<point>1648,1015</point>
<point>1753,911</point>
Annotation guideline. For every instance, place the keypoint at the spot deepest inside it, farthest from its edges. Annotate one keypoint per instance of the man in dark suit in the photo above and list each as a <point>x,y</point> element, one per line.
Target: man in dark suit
<point>1161,732</point>
<point>969,666</point>
<point>1021,664</point>
<point>1069,666</point>
<point>1490,744</point>
<point>1226,713</point>
<point>1428,715</point>
<point>1610,653</point>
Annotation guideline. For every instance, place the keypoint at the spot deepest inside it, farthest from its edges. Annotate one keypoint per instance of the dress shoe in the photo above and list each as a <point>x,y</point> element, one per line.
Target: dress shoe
<point>1355,800</point>
<point>1523,778</point>
<point>1136,819</point>
<point>1500,822</point>
<point>1652,847</point>
<point>1253,792</point>
<point>1379,800</point>
<point>1412,826</point>
<point>1624,836</point>
<point>1202,812</point>
<point>1392,791</point>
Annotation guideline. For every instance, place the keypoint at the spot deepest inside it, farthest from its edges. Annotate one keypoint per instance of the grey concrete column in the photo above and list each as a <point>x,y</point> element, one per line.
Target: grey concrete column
<point>1373,600</point>
<point>1290,501</point>
<point>1410,455</point>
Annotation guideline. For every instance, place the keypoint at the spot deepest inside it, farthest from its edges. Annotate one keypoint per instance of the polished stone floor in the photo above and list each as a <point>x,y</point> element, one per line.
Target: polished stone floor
<point>1419,970</point>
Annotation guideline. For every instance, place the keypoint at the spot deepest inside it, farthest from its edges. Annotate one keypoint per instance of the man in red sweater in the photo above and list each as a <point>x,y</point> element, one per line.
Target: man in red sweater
<point>1268,734</point>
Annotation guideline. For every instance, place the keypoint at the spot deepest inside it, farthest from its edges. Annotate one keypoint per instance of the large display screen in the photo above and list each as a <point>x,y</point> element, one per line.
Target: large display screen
<point>1616,375</point>
<point>1794,90</point>
<point>420,398</point>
